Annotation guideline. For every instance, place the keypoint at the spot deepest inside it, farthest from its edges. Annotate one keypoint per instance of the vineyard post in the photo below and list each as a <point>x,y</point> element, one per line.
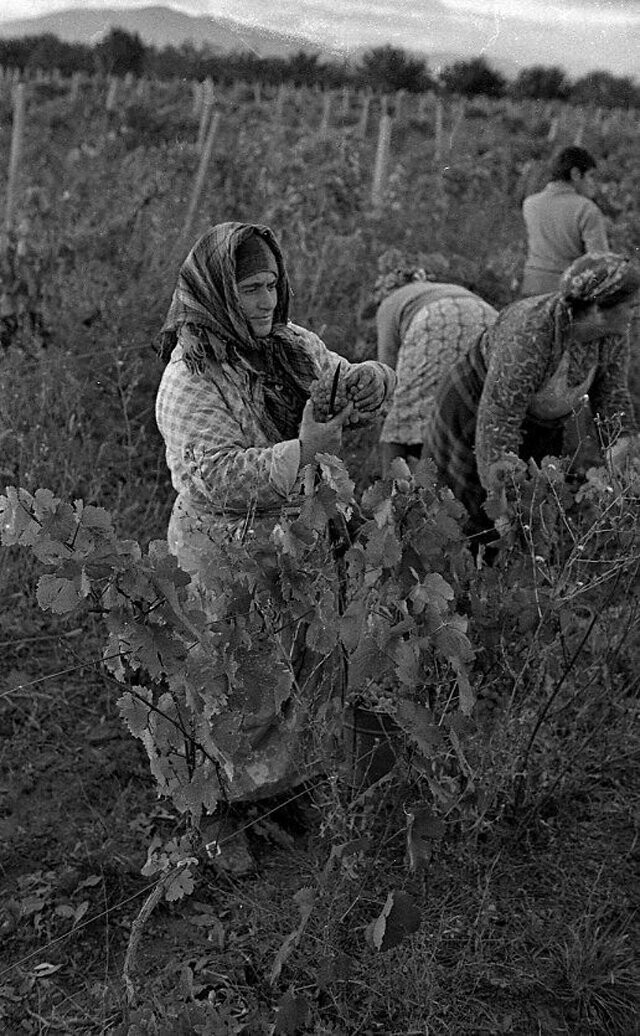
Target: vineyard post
<point>196,98</point>
<point>457,122</point>
<point>579,136</point>
<point>399,107</point>
<point>17,134</point>
<point>437,146</point>
<point>75,87</point>
<point>280,99</point>
<point>128,81</point>
<point>142,89</point>
<point>346,102</point>
<point>112,93</point>
<point>205,114</point>
<point>383,152</point>
<point>553,129</point>
<point>326,114</point>
<point>364,115</point>
<point>203,165</point>
<point>257,91</point>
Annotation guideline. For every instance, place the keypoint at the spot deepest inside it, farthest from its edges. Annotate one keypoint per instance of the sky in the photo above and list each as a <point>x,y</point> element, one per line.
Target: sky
<point>579,35</point>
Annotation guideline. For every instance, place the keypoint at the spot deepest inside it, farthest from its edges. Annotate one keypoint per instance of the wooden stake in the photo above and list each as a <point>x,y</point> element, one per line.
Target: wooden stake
<point>553,129</point>
<point>383,152</point>
<point>112,93</point>
<point>326,115</point>
<point>205,158</point>
<point>196,98</point>
<point>437,146</point>
<point>364,116</point>
<point>279,105</point>
<point>75,86</point>
<point>577,140</point>
<point>17,135</point>
<point>459,119</point>
<point>205,114</point>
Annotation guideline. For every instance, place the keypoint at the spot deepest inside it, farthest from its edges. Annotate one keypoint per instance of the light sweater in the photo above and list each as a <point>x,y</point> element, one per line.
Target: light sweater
<point>561,225</point>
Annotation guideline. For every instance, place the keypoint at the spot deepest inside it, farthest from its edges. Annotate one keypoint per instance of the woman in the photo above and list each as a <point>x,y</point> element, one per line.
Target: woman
<point>422,329</point>
<point>515,389</point>
<point>234,411</point>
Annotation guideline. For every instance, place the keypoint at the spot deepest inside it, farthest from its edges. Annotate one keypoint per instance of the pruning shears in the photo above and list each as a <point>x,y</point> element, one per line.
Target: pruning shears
<point>334,390</point>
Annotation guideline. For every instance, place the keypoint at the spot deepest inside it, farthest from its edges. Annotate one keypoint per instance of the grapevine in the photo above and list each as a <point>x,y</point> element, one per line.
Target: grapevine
<point>331,393</point>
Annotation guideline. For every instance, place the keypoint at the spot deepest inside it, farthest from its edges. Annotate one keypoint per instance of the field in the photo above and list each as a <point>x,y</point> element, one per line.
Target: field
<point>514,908</point>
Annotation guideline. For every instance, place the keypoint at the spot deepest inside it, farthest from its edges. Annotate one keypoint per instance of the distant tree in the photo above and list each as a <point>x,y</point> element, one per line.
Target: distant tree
<point>473,77</point>
<point>120,52</point>
<point>541,83</point>
<point>303,68</point>
<point>605,90</point>
<point>390,68</point>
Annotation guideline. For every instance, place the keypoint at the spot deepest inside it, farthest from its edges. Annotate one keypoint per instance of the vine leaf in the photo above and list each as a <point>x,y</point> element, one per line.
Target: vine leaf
<point>305,901</point>
<point>423,829</point>
<point>57,595</point>
<point>293,1013</point>
<point>180,885</point>
<point>134,712</point>
<point>399,918</point>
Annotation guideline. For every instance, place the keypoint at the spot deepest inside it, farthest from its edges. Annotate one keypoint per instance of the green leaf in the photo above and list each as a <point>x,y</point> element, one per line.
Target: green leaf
<point>58,595</point>
<point>351,623</point>
<point>407,658</point>
<point>451,640</point>
<point>367,663</point>
<point>399,918</point>
<point>293,1012</point>
<point>434,591</point>
<point>134,712</point>
<point>180,885</point>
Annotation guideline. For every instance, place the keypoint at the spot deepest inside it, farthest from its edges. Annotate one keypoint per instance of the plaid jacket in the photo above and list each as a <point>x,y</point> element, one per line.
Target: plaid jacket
<point>218,452</point>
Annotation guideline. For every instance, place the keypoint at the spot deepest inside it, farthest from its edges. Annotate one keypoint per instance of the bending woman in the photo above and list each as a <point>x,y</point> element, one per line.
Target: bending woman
<point>422,328</point>
<point>234,412</point>
<point>521,380</point>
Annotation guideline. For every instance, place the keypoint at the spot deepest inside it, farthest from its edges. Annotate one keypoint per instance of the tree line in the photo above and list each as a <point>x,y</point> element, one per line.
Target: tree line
<point>384,69</point>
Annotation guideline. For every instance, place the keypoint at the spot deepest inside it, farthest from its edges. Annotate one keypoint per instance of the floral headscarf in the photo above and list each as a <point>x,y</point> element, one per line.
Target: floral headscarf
<point>599,277</point>
<point>207,303</point>
<point>206,294</point>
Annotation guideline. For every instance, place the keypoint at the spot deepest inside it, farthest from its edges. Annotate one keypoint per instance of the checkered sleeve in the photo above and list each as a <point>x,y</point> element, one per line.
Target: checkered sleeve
<point>215,449</point>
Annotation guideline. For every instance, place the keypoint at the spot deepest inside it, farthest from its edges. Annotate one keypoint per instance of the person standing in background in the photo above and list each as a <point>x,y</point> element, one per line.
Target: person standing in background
<point>562,222</point>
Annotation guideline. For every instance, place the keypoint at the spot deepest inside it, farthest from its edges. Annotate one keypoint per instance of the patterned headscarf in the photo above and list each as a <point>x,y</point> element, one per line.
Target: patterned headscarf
<point>206,301</point>
<point>599,277</point>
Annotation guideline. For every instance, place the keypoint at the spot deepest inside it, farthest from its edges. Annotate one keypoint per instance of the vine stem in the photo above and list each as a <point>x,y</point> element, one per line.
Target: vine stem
<point>137,929</point>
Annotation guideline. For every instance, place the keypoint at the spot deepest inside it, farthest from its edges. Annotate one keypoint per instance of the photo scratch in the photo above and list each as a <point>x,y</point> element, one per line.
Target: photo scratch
<point>494,38</point>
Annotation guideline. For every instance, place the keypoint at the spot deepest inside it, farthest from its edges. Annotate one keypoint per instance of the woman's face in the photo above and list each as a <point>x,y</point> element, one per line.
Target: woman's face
<point>598,321</point>
<point>258,299</point>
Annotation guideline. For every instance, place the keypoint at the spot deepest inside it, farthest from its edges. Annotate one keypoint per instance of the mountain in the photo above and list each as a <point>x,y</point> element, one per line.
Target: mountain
<point>159,26</point>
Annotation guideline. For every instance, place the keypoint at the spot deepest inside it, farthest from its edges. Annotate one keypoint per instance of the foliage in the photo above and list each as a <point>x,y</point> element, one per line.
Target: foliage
<point>470,78</point>
<point>385,69</point>
<point>539,81</point>
<point>119,53</point>
<point>390,69</point>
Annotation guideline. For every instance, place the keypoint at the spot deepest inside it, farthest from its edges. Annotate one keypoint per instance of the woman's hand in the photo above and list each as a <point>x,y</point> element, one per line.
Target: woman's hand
<point>321,437</point>
<point>365,387</point>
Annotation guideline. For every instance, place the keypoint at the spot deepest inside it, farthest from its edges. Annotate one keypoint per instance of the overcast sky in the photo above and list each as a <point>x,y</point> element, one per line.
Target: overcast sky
<point>580,35</point>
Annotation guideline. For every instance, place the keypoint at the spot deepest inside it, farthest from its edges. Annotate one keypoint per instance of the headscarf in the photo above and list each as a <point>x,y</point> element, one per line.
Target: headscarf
<point>206,301</point>
<point>599,277</point>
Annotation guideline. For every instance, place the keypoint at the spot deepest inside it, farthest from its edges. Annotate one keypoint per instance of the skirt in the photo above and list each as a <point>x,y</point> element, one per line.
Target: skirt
<point>439,334</point>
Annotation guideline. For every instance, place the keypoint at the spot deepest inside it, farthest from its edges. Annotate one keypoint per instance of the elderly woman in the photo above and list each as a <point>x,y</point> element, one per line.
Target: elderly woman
<point>233,409</point>
<point>516,387</point>
<point>422,328</point>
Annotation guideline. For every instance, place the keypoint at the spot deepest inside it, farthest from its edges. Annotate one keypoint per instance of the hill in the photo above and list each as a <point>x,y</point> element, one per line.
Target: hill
<point>160,27</point>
